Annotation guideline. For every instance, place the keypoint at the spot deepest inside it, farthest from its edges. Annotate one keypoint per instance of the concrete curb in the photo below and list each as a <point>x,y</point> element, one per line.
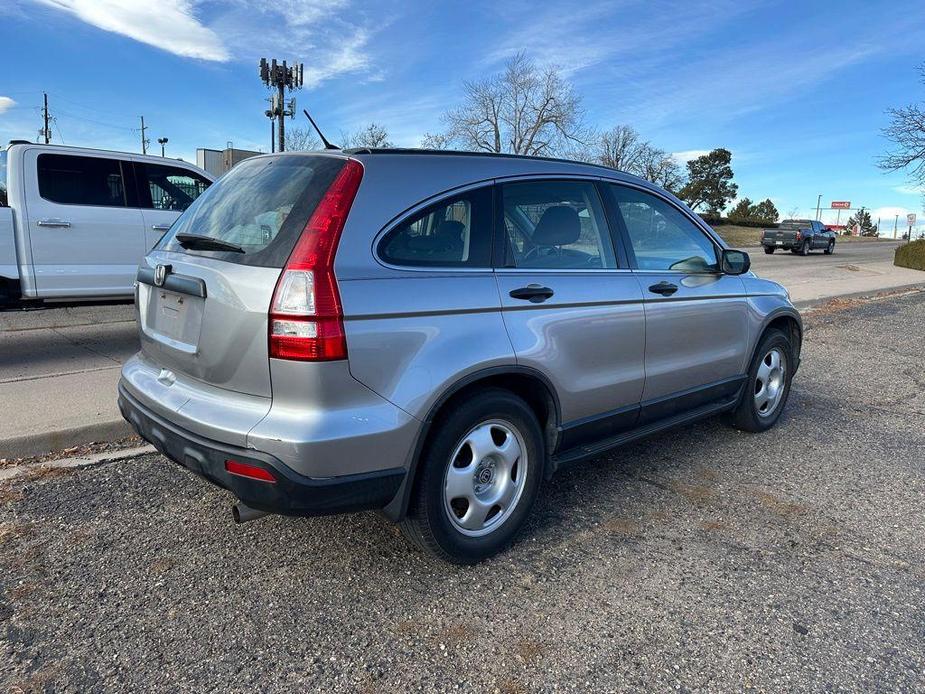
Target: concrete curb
<point>32,445</point>
<point>75,462</point>
<point>875,294</point>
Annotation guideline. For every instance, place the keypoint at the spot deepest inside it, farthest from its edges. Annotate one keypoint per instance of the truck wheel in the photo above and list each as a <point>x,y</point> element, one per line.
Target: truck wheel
<point>769,249</point>
<point>830,249</point>
<point>804,249</point>
<point>480,475</point>
<point>768,384</point>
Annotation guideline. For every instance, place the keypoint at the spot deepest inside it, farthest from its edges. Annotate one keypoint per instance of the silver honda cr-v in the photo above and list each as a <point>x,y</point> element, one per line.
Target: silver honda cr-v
<point>433,334</point>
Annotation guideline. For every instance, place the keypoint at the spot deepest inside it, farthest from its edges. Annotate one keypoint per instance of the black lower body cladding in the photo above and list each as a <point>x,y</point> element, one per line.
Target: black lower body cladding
<point>291,494</point>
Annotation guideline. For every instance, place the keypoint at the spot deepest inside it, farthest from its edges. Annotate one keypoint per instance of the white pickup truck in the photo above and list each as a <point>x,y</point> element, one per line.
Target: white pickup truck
<point>75,222</point>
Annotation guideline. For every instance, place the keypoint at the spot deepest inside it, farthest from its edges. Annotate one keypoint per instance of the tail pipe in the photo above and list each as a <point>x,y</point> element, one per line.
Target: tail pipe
<point>242,513</point>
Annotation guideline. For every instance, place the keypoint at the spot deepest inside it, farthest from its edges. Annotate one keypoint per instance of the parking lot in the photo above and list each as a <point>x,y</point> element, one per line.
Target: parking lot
<point>704,559</point>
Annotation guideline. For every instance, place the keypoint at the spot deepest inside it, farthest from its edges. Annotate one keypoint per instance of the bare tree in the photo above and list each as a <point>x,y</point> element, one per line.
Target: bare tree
<point>523,110</point>
<point>622,148</point>
<point>436,141</point>
<point>907,131</point>
<point>301,139</point>
<point>373,136</point>
<point>662,169</point>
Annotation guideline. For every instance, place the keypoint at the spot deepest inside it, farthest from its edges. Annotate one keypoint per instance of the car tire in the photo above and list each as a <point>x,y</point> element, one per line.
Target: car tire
<point>804,249</point>
<point>495,436</point>
<point>769,250</point>
<point>830,249</point>
<point>768,385</point>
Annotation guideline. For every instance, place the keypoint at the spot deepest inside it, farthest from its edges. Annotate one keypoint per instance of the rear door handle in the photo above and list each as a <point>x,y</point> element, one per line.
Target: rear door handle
<point>160,227</point>
<point>534,293</point>
<point>60,223</point>
<point>664,288</point>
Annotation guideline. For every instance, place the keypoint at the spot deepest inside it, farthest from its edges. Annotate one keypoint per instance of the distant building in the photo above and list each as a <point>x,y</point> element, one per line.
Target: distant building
<point>219,161</point>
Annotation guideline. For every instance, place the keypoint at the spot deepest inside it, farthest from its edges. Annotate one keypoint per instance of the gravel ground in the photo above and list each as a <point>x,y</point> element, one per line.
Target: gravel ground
<point>705,559</point>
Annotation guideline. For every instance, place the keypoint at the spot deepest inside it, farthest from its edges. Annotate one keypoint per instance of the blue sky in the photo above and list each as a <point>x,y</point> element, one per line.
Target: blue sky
<point>797,91</point>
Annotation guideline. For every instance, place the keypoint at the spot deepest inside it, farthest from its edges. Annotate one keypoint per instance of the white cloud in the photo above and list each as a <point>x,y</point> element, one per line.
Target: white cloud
<point>6,103</point>
<point>166,24</point>
<point>688,154</point>
<point>910,190</point>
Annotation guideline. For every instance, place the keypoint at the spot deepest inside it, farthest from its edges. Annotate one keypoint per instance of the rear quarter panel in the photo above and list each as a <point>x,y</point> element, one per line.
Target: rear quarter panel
<point>412,336</point>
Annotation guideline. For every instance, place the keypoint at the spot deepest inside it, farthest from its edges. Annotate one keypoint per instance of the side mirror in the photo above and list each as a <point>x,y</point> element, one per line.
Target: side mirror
<point>735,262</point>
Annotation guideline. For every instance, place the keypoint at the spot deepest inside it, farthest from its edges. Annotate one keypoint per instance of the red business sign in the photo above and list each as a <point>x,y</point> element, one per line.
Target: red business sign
<point>841,205</point>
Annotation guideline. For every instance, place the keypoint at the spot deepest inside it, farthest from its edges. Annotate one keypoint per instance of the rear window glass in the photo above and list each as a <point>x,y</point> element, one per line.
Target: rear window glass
<point>261,206</point>
<point>795,224</point>
<point>73,180</point>
<point>4,201</point>
<point>453,233</point>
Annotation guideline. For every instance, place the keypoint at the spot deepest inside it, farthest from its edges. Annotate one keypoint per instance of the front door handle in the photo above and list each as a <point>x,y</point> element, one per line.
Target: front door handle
<point>60,223</point>
<point>534,293</point>
<point>160,227</point>
<point>664,288</point>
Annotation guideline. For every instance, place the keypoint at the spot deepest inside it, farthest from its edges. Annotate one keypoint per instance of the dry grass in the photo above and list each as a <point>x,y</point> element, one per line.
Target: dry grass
<point>713,526</point>
<point>785,509</point>
<point>743,237</point>
<point>621,526</point>
<point>697,494</point>
<point>529,650</point>
<point>10,494</point>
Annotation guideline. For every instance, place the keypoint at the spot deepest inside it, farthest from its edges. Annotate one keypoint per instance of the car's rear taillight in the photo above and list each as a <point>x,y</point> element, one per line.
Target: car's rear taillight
<point>306,319</point>
<point>798,235</point>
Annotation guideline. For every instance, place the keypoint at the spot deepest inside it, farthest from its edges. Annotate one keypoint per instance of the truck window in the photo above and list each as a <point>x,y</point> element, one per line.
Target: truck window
<point>168,187</point>
<point>74,180</point>
<point>4,201</point>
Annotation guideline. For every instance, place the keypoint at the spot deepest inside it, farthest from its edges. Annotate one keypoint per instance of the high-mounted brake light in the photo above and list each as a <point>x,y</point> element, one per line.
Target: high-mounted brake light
<point>306,319</point>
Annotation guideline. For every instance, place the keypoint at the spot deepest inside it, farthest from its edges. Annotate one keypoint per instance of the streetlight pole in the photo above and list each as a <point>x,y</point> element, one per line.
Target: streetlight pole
<point>162,141</point>
<point>818,206</point>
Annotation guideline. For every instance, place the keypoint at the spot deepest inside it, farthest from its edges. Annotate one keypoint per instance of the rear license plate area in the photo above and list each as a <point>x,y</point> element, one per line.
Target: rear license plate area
<point>173,319</point>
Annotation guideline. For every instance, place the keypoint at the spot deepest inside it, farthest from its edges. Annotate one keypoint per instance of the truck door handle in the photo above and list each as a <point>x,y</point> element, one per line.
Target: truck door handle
<point>53,223</point>
<point>160,227</point>
<point>534,293</point>
<point>664,288</point>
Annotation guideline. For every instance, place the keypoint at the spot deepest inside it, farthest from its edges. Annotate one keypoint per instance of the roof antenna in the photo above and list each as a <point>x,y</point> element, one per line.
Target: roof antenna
<point>327,145</point>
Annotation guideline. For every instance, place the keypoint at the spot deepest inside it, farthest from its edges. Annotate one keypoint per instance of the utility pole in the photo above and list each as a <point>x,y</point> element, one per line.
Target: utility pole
<point>45,131</point>
<point>144,142</point>
<point>281,77</point>
<point>895,225</point>
<point>162,141</point>
<point>818,206</point>
<point>272,136</point>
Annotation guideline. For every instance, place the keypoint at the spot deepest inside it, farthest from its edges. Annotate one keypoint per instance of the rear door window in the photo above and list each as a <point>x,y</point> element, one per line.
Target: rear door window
<point>76,180</point>
<point>555,225</point>
<point>168,187</point>
<point>452,233</point>
<point>261,205</point>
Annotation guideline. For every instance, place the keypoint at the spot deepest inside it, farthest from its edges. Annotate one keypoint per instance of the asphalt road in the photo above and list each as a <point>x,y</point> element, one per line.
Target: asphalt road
<point>705,559</point>
<point>855,267</point>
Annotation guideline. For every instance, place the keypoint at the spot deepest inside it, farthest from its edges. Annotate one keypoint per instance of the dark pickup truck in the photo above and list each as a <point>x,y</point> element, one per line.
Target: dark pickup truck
<point>799,236</point>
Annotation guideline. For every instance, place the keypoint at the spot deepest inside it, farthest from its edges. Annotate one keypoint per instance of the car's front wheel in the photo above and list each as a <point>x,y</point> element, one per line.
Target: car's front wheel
<point>768,384</point>
<point>830,249</point>
<point>480,474</point>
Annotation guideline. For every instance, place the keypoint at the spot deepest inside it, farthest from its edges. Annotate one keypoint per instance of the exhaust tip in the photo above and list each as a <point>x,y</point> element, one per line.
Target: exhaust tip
<point>242,513</point>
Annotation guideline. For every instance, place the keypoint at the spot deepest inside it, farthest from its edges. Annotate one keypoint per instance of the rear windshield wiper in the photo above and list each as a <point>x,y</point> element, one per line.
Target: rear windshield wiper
<point>197,242</point>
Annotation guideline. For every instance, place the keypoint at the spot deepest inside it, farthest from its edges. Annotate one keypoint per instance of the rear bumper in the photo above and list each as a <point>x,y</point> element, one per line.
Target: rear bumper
<point>292,494</point>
